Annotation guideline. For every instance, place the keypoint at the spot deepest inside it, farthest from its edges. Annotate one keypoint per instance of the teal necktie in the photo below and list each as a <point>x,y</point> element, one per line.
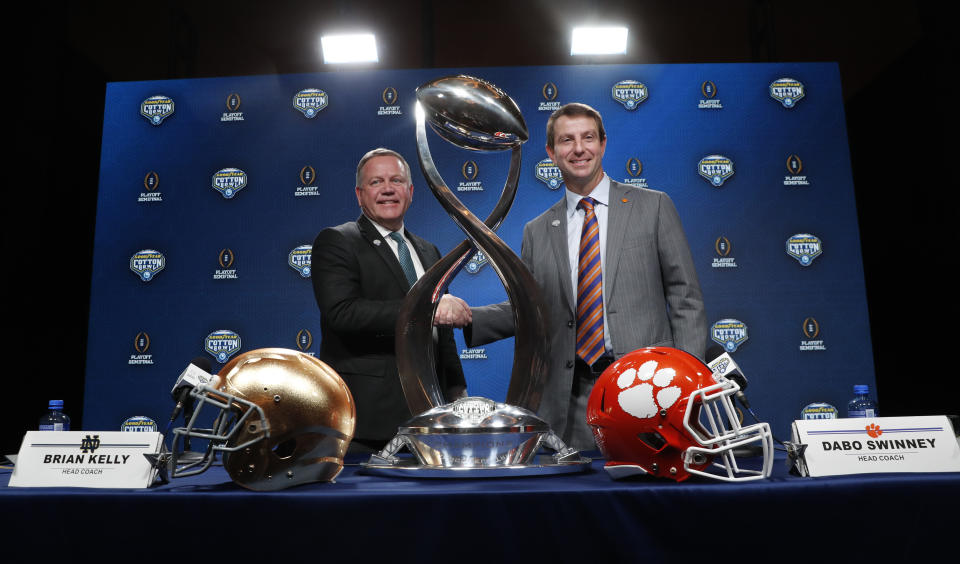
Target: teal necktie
<point>403,253</point>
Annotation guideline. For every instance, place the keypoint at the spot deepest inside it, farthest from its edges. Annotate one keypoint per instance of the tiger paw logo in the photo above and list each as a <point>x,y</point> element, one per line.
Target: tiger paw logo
<point>873,430</point>
<point>647,390</point>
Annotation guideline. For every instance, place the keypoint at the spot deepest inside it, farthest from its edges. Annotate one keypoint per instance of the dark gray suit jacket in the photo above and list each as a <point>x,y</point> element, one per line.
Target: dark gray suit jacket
<point>359,286</point>
<point>650,289</point>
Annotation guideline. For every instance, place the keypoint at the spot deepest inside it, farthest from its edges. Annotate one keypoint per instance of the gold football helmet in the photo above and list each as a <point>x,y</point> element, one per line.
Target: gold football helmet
<point>285,419</point>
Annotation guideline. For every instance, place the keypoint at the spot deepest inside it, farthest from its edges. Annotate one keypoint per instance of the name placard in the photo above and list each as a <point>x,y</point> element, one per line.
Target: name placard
<point>876,444</point>
<point>86,459</point>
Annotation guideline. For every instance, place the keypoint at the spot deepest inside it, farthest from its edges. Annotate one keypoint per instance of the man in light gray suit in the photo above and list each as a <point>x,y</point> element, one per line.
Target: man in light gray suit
<point>627,241</point>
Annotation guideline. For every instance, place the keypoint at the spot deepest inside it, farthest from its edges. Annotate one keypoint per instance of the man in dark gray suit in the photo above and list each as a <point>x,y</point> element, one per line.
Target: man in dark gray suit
<point>361,272</point>
<point>615,269</point>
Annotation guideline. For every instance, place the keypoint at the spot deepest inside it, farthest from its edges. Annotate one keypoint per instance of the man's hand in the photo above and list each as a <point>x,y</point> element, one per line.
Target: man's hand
<point>452,312</point>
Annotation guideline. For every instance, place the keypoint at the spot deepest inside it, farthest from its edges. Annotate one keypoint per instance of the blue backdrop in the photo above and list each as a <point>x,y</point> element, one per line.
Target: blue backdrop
<point>232,278</point>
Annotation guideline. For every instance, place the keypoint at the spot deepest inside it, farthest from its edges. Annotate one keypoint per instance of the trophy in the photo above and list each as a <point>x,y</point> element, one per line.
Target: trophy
<point>473,436</point>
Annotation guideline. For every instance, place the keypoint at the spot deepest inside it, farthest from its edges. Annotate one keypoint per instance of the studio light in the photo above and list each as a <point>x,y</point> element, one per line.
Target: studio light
<point>599,41</point>
<point>349,48</point>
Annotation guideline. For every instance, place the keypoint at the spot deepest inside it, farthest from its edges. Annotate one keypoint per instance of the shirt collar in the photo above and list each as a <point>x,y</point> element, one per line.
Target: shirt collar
<point>601,194</point>
<point>383,231</point>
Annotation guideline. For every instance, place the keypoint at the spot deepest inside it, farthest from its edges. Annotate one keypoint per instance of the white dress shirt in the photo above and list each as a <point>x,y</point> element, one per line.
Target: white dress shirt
<point>385,234</point>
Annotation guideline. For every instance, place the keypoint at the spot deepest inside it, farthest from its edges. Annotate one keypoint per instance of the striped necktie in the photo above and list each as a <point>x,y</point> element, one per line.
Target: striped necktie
<point>403,253</point>
<point>590,344</point>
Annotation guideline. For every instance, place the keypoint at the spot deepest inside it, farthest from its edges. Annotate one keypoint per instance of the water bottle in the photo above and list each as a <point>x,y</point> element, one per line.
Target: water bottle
<point>862,405</point>
<point>55,419</point>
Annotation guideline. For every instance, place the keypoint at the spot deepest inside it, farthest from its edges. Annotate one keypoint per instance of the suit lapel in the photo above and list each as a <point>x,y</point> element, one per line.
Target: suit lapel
<point>424,252</point>
<point>621,205</point>
<point>558,240</point>
<point>382,248</point>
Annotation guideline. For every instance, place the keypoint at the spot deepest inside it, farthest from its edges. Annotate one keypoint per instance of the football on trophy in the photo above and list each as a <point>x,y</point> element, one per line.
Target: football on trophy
<point>472,113</point>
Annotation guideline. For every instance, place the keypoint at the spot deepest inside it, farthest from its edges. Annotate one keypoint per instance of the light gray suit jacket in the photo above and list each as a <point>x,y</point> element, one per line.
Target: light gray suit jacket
<point>650,289</point>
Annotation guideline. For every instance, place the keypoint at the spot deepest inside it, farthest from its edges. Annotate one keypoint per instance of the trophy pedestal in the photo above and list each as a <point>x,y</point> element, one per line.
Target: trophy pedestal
<point>475,437</point>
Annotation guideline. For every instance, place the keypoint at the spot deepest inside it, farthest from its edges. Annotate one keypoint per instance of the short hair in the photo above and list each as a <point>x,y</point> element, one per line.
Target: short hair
<point>574,109</point>
<point>382,152</point>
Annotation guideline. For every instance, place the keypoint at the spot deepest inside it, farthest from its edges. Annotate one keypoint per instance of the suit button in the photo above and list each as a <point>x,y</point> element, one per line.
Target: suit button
<point>570,323</point>
<point>569,364</point>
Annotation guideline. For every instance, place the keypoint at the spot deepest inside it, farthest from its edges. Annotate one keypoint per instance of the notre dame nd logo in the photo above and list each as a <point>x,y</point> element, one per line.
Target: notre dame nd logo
<point>89,444</point>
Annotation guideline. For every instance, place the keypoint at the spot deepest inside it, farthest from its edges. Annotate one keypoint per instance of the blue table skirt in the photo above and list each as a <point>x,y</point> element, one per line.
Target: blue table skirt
<point>573,517</point>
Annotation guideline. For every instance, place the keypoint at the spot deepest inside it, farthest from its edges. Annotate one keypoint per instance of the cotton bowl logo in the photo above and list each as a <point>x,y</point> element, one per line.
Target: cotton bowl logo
<point>715,168</point>
<point>548,173</point>
<point>229,181</point>
<point>478,261</point>
<point>222,344</point>
<point>157,108</point>
<point>730,333</point>
<point>804,247</point>
<point>147,263</point>
<point>787,91</point>
<point>310,101</point>
<point>629,93</point>
<point>139,424</point>
<point>299,259</point>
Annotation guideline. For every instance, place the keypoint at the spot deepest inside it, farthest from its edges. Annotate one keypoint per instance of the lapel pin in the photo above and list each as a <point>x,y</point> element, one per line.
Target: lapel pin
<point>624,200</point>
<point>555,223</point>
<point>376,242</point>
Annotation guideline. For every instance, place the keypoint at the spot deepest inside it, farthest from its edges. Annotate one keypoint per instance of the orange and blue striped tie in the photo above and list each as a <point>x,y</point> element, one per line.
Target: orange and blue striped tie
<point>590,345</point>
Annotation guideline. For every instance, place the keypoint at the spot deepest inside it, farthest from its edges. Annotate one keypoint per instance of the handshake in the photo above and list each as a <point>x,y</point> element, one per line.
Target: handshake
<point>452,312</point>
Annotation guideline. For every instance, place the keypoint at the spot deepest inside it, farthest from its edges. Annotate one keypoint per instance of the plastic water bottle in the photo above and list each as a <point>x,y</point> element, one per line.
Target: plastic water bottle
<point>55,419</point>
<point>862,405</point>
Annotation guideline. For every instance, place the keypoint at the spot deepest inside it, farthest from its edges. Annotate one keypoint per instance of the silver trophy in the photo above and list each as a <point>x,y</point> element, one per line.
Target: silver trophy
<point>473,436</point>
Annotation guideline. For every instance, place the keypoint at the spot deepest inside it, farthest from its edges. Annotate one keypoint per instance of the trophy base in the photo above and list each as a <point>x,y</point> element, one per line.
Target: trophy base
<point>541,465</point>
<point>475,437</point>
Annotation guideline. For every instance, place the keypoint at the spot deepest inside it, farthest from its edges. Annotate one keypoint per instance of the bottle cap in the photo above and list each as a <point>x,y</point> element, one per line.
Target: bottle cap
<point>861,389</point>
<point>55,404</point>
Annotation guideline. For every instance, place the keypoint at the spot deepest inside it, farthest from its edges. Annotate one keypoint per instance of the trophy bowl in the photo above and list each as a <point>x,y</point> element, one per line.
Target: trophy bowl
<point>472,114</point>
